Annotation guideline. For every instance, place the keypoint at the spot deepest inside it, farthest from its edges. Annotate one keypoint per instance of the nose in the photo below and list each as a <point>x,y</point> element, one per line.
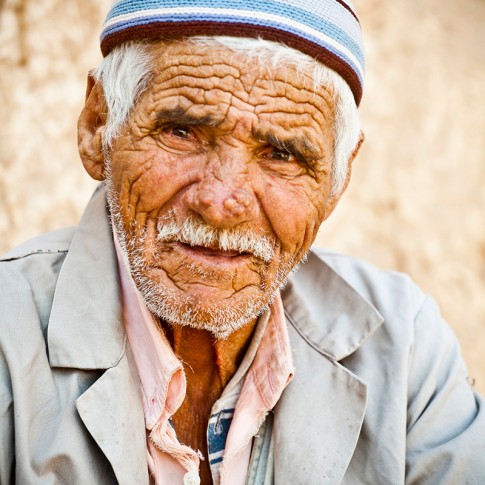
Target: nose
<point>223,197</point>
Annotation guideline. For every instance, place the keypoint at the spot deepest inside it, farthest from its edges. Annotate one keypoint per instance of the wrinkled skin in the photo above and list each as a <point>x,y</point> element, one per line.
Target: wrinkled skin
<point>202,141</point>
<point>225,141</point>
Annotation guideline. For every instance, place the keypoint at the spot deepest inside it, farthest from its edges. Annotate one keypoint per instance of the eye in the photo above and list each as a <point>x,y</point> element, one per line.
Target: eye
<point>281,155</point>
<point>182,132</point>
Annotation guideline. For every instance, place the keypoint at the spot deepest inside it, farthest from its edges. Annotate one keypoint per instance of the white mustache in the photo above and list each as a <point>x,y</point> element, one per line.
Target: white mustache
<point>196,233</point>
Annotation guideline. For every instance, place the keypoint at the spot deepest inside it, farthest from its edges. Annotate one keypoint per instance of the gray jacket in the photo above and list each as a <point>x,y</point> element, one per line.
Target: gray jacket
<point>380,394</point>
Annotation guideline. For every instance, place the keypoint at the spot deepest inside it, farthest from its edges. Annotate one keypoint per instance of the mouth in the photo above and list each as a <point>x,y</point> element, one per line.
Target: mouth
<point>212,252</point>
<point>198,238</point>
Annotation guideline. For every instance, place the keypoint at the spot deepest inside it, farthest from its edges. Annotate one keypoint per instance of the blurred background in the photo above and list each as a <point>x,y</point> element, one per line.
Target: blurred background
<point>416,202</point>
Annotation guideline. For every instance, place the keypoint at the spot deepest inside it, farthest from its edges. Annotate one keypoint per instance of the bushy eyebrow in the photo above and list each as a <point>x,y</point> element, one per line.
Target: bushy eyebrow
<point>180,117</point>
<point>299,146</point>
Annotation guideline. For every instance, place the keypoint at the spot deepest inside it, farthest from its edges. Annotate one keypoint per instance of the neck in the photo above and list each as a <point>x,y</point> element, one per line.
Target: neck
<point>203,356</point>
<point>209,364</point>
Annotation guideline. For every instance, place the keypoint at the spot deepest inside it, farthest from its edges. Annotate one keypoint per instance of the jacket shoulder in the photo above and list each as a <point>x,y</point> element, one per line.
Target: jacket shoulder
<point>57,241</point>
<point>28,277</point>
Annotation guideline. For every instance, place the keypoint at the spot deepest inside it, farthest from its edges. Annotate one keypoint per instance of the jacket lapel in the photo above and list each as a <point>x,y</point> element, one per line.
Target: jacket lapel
<point>317,420</point>
<point>86,332</point>
<point>85,326</point>
<point>320,415</point>
<point>113,414</point>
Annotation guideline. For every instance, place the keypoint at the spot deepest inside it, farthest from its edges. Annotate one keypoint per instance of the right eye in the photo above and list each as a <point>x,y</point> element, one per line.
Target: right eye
<point>183,132</point>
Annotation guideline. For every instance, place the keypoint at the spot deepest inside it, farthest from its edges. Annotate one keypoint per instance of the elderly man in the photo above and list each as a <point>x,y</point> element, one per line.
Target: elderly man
<point>157,341</point>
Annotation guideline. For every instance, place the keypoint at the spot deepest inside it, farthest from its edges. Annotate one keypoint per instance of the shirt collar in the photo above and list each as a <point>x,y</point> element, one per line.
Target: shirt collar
<point>161,374</point>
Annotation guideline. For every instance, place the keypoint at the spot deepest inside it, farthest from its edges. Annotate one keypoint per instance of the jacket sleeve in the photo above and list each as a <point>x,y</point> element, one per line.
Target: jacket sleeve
<point>6,423</point>
<point>446,419</point>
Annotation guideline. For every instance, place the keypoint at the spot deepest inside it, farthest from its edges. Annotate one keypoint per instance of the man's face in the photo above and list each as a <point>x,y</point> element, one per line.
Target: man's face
<point>220,181</point>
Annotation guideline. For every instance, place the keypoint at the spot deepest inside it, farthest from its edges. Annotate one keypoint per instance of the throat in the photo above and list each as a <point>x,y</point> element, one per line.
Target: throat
<point>206,359</point>
<point>209,365</point>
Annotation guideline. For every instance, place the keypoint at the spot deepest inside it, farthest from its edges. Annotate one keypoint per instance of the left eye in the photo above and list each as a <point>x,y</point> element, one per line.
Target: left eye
<point>280,155</point>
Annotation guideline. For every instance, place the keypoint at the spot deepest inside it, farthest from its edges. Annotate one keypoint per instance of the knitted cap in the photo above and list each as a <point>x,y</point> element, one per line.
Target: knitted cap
<point>327,30</point>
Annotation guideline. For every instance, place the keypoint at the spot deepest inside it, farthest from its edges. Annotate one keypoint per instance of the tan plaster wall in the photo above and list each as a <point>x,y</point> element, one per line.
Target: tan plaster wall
<point>416,202</point>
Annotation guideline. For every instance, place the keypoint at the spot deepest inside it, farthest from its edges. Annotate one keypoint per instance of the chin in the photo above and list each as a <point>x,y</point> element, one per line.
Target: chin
<point>219,316</point>
<point>207,308</point>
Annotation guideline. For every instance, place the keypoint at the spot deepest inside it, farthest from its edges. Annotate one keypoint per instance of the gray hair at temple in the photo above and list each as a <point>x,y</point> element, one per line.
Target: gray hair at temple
<point>126,72</point>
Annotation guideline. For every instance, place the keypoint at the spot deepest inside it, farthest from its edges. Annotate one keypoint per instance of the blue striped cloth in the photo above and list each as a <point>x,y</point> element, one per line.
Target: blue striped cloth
<point>216,436</point>
<point>327,30</point>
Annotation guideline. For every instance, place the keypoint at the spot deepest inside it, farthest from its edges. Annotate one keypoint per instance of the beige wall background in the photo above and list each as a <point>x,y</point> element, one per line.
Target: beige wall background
<point>416,202</point>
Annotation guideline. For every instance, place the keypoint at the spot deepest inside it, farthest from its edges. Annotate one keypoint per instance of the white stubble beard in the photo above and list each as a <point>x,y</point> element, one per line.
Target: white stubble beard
<point>173,305</point>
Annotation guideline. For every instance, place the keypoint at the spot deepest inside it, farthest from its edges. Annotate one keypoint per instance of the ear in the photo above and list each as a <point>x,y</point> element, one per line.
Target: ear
<point>333,200</point>
<point>90,129</point>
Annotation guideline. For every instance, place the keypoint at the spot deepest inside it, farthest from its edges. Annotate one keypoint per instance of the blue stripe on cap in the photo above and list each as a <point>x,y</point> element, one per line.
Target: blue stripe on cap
<point>337,34</point>
<point>333,20</point>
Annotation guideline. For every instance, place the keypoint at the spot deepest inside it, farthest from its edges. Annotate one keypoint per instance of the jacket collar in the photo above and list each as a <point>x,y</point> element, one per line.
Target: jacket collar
<point>85,327</point>
<point>328,313</point>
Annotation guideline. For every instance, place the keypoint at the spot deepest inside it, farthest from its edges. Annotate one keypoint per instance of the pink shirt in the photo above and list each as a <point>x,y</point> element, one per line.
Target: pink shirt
<point>256,387</point>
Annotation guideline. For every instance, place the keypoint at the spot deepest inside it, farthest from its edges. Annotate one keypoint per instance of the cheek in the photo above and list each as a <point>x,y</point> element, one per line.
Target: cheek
<point>147,178</point>
<point>295,211</point>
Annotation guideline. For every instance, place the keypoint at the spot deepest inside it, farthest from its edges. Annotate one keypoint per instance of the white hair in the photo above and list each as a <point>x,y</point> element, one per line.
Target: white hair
<point>126,72</point>
<point>124,75</point>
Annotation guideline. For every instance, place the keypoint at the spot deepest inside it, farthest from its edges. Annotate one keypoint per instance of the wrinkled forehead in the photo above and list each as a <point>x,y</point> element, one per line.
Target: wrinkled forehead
<point>246,65</point>
<point>211,80</point>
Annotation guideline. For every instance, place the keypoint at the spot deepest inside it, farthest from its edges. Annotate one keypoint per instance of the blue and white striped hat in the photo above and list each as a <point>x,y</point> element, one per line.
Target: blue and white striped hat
<point>327,30</point>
